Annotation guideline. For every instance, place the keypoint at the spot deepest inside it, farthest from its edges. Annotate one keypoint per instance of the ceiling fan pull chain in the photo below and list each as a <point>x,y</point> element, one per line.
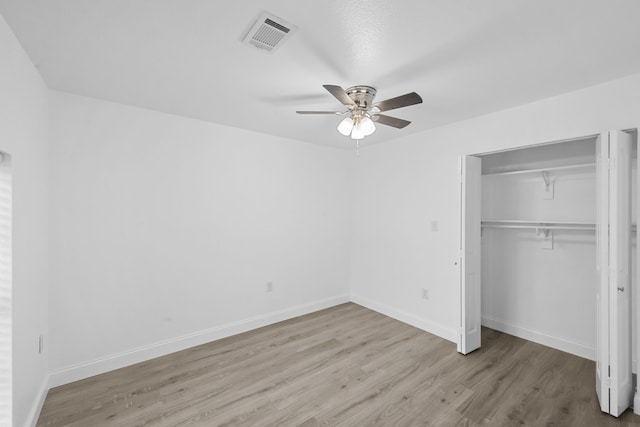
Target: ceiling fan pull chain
<point>358,147</point>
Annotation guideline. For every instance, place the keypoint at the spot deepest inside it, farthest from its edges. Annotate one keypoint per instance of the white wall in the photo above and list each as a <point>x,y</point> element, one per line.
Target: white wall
<point>23,134</point>
<point>401,186</point>
<point>165,230</point>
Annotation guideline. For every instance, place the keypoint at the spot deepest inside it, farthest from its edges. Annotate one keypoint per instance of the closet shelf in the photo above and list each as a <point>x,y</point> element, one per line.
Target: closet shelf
<point>549,169</point>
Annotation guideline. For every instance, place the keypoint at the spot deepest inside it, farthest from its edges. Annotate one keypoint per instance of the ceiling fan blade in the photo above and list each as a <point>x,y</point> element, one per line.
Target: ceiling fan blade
<point>320,112</point>
<point>390,121</point>
<point>340,95</point>
<point>399,102</point>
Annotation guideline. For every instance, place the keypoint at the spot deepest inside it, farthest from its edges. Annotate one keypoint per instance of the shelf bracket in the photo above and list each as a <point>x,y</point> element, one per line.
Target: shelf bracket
<point>548,185</point>
<point>547,240</point>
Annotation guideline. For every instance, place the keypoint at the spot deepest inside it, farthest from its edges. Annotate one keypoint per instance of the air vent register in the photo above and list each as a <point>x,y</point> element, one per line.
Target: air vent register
<point>269,32</point>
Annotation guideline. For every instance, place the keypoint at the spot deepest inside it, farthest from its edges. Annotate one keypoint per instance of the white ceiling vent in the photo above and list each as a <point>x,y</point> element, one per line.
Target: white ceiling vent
<point>269,32</point>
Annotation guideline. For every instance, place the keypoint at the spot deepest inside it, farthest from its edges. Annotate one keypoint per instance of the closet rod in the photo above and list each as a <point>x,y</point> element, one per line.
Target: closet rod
<point>532,225</point>
<point>541,227</point>
<point>554,168</point>
<point>518,223</point>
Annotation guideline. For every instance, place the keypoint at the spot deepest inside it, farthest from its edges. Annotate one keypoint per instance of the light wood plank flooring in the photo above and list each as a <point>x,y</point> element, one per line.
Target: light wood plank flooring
<point>346,366</point>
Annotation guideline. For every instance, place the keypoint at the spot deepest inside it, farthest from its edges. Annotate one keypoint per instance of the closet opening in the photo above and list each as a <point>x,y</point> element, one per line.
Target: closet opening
<point>538,244</point>
<point>548,251</point>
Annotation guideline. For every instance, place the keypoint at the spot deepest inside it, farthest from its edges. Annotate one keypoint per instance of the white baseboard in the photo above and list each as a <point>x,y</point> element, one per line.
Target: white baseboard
<point>34,413</point>
<point>539,337</point>
<point>411,319</point>
<point>119,360</point>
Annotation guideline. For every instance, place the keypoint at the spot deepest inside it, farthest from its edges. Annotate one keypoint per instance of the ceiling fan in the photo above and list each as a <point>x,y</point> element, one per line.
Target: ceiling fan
<point>362,112</point>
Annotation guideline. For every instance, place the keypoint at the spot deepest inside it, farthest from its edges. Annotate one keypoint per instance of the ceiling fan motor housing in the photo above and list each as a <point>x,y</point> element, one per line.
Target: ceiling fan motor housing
<point>362,96</point>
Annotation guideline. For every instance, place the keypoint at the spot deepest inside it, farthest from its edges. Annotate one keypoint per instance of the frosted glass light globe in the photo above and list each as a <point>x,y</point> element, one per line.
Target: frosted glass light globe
<point>367,126</point>
<point>345,126</point>
<point>357,132</point>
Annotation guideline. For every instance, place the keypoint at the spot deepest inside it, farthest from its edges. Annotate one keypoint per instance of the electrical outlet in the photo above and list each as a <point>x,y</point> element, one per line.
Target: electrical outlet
<point>269,287</point>
<point>434,226</point>
<point>425,293</point>
<point>40,344</point>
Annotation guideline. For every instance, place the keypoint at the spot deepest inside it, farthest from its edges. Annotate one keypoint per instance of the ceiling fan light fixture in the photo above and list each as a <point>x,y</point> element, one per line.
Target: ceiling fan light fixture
<point>345,126</point>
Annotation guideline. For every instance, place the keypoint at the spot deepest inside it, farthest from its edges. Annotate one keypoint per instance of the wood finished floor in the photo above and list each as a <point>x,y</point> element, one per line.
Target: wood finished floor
<point>346,366</point>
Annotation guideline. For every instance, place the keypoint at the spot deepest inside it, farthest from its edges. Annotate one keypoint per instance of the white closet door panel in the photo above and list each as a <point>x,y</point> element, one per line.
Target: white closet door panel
<point>613,346</point>
<point>620,272</point>
<point>470,197</point>
<point>602,294</point>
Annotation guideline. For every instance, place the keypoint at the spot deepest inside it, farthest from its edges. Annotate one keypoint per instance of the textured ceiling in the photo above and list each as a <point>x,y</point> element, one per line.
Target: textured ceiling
<point>464,57</point>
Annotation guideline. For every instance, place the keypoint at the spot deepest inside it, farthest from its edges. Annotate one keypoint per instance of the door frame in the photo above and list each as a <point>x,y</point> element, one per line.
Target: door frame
<point>6,287</point>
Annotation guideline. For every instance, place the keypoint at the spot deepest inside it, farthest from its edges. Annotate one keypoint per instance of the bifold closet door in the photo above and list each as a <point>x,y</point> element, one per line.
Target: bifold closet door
<point>470,223</point>
<point>613,345</point>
